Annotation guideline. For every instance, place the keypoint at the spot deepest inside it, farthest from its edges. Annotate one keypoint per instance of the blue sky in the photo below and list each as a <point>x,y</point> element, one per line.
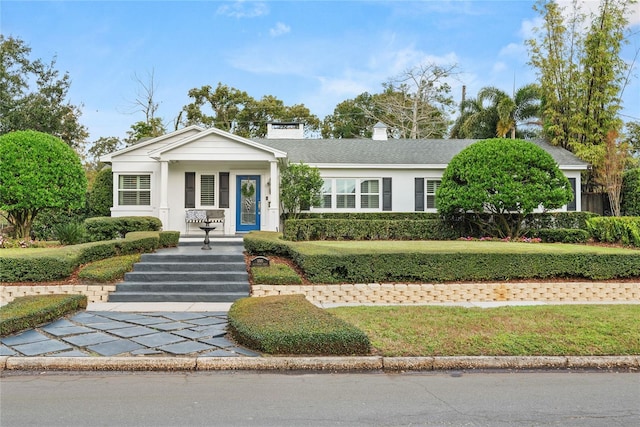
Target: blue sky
<point>316,53</point>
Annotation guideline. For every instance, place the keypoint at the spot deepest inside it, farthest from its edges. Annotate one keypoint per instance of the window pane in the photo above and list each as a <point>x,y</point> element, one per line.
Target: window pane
<point>133,190</point>
<point>346,186</point>
<point>345,201</point>
<point>369,202</point>
<point>326,201</point>
<point>370,186</point>
<point>207,190</point>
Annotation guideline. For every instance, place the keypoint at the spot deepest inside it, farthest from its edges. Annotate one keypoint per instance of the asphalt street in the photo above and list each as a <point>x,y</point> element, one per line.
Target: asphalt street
<point>455,398</point>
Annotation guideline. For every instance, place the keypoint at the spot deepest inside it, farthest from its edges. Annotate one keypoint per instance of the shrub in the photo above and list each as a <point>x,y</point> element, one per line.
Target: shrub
<point>39,171</point>
<point>630,203</point>
<point>275,274</point>
<point>508,178</point>
<point>562,235</point>
<point>70,233</point>
<point>100,197</point>
<point>623,230</point>
<point>323,265</point>
<point>266,243</point>
<point>40,265</point>
<point>169,239</point>
<point>363,229</point>
<point>292,325</point>
<point>110,269</point>
<point>107,228</point>
<point>31,311</point>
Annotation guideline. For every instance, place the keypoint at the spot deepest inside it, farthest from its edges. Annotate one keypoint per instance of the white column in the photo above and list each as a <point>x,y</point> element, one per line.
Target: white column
<point>164,195</point>
<point>274,197</point>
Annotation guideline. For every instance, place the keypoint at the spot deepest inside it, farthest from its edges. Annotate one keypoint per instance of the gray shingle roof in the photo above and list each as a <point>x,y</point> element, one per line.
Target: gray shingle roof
<point>392,151</point>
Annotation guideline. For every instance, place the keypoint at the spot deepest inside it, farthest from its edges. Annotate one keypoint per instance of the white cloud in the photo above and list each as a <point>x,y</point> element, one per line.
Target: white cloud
<point>242,9</point>
<point>279,29</point>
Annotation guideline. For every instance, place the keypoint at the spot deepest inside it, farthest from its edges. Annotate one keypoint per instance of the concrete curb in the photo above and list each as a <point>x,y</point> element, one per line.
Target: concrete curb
<point>332,364</point>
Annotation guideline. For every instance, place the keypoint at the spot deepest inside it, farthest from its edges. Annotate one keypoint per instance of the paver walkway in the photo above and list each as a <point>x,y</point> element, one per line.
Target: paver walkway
<point>110,333</point>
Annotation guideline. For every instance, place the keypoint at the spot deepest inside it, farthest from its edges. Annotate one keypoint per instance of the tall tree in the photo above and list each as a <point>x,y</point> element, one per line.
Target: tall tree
<point>581,73</point>
<point>610,171</point>
<point>475,120</point>
<point>33,95</point>
<point>350,119</point>
<point>417,103</point>
<point>512,111</point>
<point>217,107</point>
<point>147,104</point>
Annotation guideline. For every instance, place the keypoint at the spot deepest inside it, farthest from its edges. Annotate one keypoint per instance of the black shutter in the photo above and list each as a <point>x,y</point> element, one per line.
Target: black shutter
<point>189,189</point>
<point>419,194</point>
<point>571,206</point>
<point>224,190</point>
<point>386,194</point>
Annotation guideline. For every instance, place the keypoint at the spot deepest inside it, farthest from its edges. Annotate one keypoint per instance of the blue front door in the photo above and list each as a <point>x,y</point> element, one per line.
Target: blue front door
<point>248,202</point>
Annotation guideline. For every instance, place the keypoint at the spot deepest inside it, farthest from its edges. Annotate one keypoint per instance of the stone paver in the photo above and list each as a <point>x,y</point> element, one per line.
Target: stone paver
<point>112,333</point>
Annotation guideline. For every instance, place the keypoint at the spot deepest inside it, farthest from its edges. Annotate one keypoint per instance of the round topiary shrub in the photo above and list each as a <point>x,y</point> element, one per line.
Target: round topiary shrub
<point>505,178</point>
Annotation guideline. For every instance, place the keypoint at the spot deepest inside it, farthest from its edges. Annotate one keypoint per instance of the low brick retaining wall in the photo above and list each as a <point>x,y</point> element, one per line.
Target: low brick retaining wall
<point>571,292</point>
<point>94,293</point>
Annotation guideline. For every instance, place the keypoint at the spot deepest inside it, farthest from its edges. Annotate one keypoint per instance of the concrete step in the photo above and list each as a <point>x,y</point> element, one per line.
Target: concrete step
<point>189,266</point>
<point>185,276</point>
<point>190,287</point>
<point>190,257</point>
<point>176,297</point>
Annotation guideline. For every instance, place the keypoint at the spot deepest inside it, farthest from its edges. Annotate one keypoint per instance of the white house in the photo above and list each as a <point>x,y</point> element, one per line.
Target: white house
<point>193,170</point>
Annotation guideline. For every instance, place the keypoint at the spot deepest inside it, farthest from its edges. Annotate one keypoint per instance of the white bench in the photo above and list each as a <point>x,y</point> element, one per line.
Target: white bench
<point>203,215</point>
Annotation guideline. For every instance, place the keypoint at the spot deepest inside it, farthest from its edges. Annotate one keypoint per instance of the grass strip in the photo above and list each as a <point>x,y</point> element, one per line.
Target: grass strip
<point>571,330</point>
<point>31,311</point>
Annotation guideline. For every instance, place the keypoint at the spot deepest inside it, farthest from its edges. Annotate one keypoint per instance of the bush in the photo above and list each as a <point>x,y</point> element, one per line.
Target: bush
<point>562,235</point>
<point>100,197</point>
<point>70,233</point>
<point>622,230</point>
<point>48,220</point>
<point>41,265</point>
<point>363,229</point>
<point>110,269</point>
<point>508,177</point>
<point>292,325</point>
<point>335,266</point>
<point>107,228</point>
<point>31,311</point>
<point>275,274</point>
<point>266,243</point>
<point>169,239</point>
<point>630,203</point>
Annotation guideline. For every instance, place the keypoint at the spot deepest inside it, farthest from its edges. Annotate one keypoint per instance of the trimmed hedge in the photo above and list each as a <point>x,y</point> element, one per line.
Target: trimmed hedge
<point>415,225</point>
<point>562,235</point>
<point>169,239</point>
<point>446,266</point>
<point>623,230</point>
<point>275,274</point>
<point>110,269</point>
<point>107,228</point>
<point>41,265</point>
<point>289,324</point>
<point>451,267</point>
<point>367,229</point>
<point>31,311</point>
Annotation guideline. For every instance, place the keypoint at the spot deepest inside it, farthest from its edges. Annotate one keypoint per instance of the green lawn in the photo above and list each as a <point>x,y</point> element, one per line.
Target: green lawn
<point>505,331</point>
<point>450,246</point>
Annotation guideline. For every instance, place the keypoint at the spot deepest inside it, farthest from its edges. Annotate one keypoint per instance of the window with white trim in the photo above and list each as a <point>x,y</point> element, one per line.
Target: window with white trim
<point>207,190</point>
<point>134,190</point>
<point>351,193</point>
<point>345,193</point>
<point>370,194</point>
<point>431,186</point>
